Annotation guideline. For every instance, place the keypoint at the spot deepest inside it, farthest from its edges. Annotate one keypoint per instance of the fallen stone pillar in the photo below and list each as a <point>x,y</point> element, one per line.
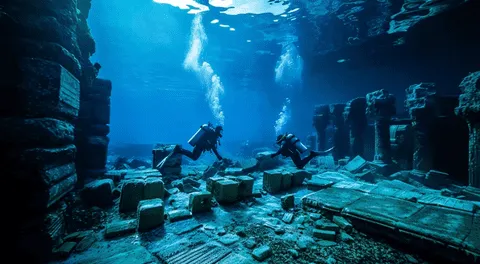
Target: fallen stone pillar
<point>420,104</point>
<point>381,107</point>
<point>356,119</point>
<point>321,118</point>
<point>340,135</point>
<point>469,109</point>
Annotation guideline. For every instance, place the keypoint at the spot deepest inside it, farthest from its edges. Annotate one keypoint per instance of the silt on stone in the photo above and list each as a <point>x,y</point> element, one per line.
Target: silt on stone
<point>200,202</point>
<point>150,214</point>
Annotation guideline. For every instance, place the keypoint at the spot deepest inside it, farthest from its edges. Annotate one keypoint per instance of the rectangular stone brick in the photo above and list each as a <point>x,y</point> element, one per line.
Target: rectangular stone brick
<point>227,191</point>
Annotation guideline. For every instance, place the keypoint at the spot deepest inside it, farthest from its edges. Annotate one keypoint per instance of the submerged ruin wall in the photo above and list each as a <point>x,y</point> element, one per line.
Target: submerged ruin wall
<point>45,51</point>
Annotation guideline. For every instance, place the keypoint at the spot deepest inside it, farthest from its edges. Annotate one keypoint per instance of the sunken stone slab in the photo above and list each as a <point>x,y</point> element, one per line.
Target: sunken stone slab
<point>437,223</point>
<point>381,210</point>
<point>234,171</point>
<point>397,193</point>
<point>150,214</point>
<point>235,259</point>
<point>448,202</point>
<point>211,183</point>
<point>324,234</point>
<point>209,253</point>
<point>472,242</point>
<point>317,184</point>
<point>120,228</point>
<point>332,199</point>
<point>358,186</point>
<point>342,223</point>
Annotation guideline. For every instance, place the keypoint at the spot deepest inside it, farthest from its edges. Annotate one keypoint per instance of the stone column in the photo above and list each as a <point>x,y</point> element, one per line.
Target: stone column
<point>321,118</point>
<point>356,119</point>
<point>469,108</point>
<point>381,107</point>
<point>420,104</point>
<point>340,139</point>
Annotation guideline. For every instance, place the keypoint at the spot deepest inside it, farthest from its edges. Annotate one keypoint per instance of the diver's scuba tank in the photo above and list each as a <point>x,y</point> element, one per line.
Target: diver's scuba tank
<point>200,133</point>
<point>292,139</point>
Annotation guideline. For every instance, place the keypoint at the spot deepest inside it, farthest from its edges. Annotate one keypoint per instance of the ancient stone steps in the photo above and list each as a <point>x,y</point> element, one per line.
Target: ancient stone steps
<point>206,254</point>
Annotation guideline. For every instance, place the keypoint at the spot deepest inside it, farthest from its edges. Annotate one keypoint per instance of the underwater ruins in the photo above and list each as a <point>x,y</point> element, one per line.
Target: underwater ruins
<point>398,187</point>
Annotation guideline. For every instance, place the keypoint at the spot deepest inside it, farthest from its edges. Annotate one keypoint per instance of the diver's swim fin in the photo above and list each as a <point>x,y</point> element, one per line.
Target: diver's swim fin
<point>322,153</point>
<point>160,164</point>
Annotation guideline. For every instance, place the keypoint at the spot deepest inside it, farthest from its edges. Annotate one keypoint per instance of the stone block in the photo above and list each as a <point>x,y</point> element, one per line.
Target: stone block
<point>265,162</point>
<point>200,202</point>
<point>262,253</point>
<point>343,223</point>
<point>178,215</point>
<point>35,132</point>
<point>120,228</point>
<point>100,88</point>
<point>234,171</point>
<point>154,188</point>
<point>98,193</point>
<point>92,153</point>
<point>226,191</point>
<point>356,164</point>
<point>47,89</point>
<point>96,110</point>
<point>288,201</point>
<point>299,176</point>
<point>324,234</point>
<point>132,194</point>
<point>325,225</point>
<point>65,249</point>
<point>287,218</point>
<point>272,181</point>
<point>245,189</point>
<point>150,214</point>
<point>342,162</point>
<point>287,179</point>
<point>59,190</point>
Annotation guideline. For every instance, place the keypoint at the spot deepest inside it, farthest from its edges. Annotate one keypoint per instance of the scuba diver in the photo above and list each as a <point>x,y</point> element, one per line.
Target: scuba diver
<point>291,146</point>
<point>205,139</point>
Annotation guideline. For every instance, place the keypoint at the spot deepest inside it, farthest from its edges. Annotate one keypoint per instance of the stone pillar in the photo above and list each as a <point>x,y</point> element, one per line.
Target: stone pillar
<point>469,108</point>
<point>381,108</point>
<point>356,119</point>
<point>420,103</point>
<point>321,118</point>
<point>340,136</point>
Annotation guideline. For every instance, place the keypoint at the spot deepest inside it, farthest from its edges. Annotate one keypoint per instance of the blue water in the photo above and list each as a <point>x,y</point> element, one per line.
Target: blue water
<point>163,94</point>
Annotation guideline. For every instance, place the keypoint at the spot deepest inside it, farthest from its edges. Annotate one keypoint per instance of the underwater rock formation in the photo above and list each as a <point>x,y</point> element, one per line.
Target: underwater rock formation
<point>44,49</point>
<point>469,108</point>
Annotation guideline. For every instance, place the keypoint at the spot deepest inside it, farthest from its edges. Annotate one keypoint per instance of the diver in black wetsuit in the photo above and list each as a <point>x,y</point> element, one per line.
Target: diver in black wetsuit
<point>206,142</point>
<point>290,146</point>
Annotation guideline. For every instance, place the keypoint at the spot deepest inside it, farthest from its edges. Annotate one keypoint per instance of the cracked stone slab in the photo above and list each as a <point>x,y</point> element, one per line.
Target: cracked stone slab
<point>381,210</point>
<point>332,199</point>
<point>439,224</point>
<point>357,186</point>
